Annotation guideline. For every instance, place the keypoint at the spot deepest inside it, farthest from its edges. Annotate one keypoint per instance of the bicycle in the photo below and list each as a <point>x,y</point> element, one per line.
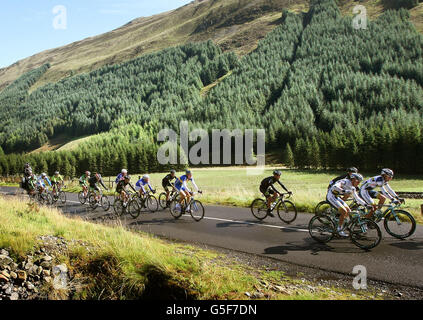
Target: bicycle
<point>130,205</point>
<point>95,202</point>
<point>364,233</point>
<point>164,204</point>
<point>194,207</point>
<point>58,194</point>
<point>43,197</point>
<point>147,201</point>
<point>286,209</point>
<point>83,195</point>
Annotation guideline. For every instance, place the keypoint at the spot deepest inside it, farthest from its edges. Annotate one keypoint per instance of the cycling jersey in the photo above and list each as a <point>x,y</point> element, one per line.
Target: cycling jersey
<point>266,185</point>
<point>345,176</point>
<point>167,182</point>
<point>121,186</point>
<point>119,177</point>
<point>83,180</point>
<point>56,179</point>
<point>41,181</point>
<point>93,183</point>
<point>367,192</point>
<point>181,183</point>
<point>140,185</point>
<point>340,188</point>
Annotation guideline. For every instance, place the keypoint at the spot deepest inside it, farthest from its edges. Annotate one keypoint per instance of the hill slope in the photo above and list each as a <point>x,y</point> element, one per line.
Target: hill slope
<point>234,25</point>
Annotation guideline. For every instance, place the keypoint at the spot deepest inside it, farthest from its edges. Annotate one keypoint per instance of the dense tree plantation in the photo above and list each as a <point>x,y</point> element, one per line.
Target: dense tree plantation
<point>327,94</point>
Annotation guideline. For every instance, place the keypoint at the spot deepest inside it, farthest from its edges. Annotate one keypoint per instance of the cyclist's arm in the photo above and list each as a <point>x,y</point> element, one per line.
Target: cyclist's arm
<point>358,199</point>
<point>388,192</point>
<point>281,184</point>
<point>195,185</point>
<point>48,181</point>
<point>102,183</point>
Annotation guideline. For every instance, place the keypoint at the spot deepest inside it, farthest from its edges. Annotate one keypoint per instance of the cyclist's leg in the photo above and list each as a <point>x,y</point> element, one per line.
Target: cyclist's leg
<point>367,196</point>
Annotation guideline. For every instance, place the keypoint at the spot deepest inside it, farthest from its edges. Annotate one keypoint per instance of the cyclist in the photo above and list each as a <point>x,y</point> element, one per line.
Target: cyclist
<point>350,171</point>
<point>167,182</point>
<point>269,191</point>
<point>139,186</point>
<point>344,187</point>
<point>121,188</point>
<point>27,173</point>
<point>56,181</point>
<point>93,183</point>
<point>368,194</point>
<point>181,185</point>
<point>121,175</point>
<point>83,182</point>
<point>31,184</point>
<point>41,182</point>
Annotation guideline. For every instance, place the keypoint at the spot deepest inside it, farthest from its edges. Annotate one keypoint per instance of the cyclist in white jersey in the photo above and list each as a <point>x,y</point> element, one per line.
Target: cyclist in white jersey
<point>368,193</point>
<point>339,190</point>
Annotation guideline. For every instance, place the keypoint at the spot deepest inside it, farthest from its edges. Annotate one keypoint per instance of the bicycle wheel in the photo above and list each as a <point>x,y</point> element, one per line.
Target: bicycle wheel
<point>48,199</point>
<point>175,209</point>
<point>152,204</point>
<point>134,209</point>
<point>93,201</point>
<point>162,200</point>
<point>323,209</point>
<point>197,210</point>
<point>259,209</point>
<point>118,208</point>
<point>400,224</point>
<point>105,203</point>
<point>365,234</point>
<point>321,229</point>
<point>62,197</point>
<point>287,211</point>
<point>81,197</point>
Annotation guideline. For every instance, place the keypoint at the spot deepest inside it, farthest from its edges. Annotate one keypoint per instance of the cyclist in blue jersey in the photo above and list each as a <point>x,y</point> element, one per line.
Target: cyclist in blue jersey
<point>181,185</point>
<point>121,176</point>
<point>140,185</point>
<point>41,182</point>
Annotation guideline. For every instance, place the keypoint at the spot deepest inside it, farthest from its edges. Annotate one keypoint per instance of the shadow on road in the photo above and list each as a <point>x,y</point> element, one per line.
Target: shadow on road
<point>408,244</point>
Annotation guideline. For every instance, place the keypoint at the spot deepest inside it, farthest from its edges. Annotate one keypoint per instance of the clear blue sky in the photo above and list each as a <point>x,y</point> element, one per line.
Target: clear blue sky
<point>26,26</point>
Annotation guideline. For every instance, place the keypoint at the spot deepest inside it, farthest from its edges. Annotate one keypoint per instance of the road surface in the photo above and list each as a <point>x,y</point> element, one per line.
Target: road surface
<point>394,261</point>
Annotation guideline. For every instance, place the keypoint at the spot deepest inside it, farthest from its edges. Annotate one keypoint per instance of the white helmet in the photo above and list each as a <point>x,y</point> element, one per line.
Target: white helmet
<point>124,171</point>
<point>145,177</point>
<point>388,172</point>
<point>43,175</point>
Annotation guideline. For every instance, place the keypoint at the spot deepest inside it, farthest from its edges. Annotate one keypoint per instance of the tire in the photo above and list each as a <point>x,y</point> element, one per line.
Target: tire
<point>365,240</point>
<point>197,210</point>
<point>406,226</point>
<point>322,229</point>
<point>152,204</point>
<point>62,197</point>
<point>323,208</point>
<point>82,199</point>
<point>175,212</point>
<point>162,200</point>
<point>287,211</point>
<point>118,208</point>
<point>259,209</point>
<point>92,201</point>
<point>105,203</point>
<point>48,199</point>
<point>134,209</point>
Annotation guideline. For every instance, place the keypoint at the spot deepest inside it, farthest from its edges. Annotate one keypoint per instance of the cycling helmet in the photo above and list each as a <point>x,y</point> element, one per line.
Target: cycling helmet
<point>188,172</point>
<point>145,177</point>
<point>277,172</point>
<point>98,176</point>
<point>388,172</point>
<point>43,175</point>
<point>352,169</point>
<point>87,173</point>
<point>357,176</point>
<point>173,171</point>
<point>124,171</point>
<point>27,165</point>
<point>56,173</point>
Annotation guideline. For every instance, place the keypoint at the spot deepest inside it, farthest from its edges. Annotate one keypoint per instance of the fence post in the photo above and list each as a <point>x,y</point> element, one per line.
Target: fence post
<point>421,208</point>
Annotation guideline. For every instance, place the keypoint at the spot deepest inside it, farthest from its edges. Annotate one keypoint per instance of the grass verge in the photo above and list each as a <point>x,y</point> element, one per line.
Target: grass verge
<point>118,264</point>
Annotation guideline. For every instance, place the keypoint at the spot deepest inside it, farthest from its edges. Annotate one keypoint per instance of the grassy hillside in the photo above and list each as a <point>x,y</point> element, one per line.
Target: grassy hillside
<point>112,263</point>
<point>234,25</point>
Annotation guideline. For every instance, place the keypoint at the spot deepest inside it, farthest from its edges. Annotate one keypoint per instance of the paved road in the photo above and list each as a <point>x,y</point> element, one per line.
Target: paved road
<point>394,261</point>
